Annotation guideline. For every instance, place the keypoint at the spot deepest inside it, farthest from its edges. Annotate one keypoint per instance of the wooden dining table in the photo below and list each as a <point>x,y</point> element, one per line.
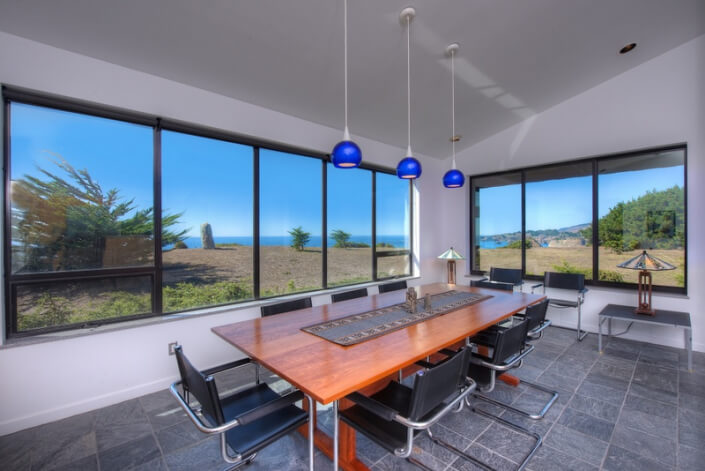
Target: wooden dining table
<point>328,372</point>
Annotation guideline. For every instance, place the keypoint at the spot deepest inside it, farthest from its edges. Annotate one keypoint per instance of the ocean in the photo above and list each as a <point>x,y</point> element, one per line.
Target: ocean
<point>398,241</point>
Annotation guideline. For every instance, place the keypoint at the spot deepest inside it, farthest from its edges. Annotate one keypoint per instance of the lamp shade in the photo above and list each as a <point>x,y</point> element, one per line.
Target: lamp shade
<point>644,261</point>
<point>409,168</point>
<point>346,154</point>
<point>451,254</point>
<point>453,179</point>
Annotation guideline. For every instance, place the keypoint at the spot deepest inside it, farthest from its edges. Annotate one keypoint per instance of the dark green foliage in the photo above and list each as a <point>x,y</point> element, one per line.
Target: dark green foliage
<point>384,245</point>
<point>180,245</point>
<point>609,275</point>
<point>341,238</point>
<point>652,221</point>
<point>357,245</point>
<point>299,238</point>
<point>605,275</point>
<point>517,244</point>
<point>188,295</point>
<point>65,223</point>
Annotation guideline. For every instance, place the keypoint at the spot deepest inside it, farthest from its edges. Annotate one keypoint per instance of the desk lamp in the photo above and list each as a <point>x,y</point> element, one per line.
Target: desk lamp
<point>645,263</point>
<point>451,255</point>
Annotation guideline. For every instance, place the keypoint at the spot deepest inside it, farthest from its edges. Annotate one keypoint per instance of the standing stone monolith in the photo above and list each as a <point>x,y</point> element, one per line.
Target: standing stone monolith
<point>207,237</point>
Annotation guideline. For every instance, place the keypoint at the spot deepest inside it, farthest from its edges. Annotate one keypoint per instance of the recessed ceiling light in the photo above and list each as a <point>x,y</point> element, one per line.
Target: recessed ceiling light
<point>627,48</point>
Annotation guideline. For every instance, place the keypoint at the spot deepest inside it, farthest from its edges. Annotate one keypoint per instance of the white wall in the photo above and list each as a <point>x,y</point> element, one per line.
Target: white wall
<point>48,381</point>
<point>657,103</point>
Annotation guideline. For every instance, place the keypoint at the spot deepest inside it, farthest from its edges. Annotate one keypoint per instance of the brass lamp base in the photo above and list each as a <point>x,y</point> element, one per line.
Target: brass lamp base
<point>645,294</point>
<point>451,272</point>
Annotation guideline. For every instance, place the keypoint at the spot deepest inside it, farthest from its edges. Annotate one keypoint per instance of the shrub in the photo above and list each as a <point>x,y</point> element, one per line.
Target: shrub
<point>188,295</point>
<point>609,275</point>
<point>384,245</point>
<point>516,244</point>
<point>299,238</point>
<point>341,238</point>
<point>180,245</point>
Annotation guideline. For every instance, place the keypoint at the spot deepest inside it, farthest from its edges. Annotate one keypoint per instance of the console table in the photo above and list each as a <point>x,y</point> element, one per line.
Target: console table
<point>662,317</point>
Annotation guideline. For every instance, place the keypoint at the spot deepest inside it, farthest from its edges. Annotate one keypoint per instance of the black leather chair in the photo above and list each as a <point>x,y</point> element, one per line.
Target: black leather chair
<point>352,294</point>
<point>566,281</point>
<point>397,285</point>
<point>536,317</point>
<point>247,420</point>
<point>286,306</point>
<point>484,283</point>
<point>394,416</point>
<point>506,275</point>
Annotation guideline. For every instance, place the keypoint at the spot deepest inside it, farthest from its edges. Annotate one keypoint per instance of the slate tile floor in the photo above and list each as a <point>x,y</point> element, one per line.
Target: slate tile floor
<point>635,407</point>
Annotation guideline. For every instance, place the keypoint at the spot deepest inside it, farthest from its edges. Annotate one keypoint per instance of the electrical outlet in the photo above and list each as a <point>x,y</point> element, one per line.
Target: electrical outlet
<point>173,345</point>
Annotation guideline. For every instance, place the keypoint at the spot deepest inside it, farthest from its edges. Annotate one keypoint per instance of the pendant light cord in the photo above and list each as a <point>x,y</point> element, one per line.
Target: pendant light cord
<point>408,83</point>
<point>452,73</point>
<point>345,29</point>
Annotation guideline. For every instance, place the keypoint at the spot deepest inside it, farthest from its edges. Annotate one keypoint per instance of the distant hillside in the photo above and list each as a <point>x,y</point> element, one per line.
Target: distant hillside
<point>577,228</point>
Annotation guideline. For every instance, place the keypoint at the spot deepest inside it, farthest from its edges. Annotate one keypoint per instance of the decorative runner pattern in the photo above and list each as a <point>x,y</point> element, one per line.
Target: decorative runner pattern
<point>357,328</point>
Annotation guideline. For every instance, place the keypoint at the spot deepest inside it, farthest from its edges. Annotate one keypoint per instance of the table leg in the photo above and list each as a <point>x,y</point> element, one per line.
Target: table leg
<point>336,435</point>
<point>689,346</point>
<point>609,327</point>
<point>599,334</point>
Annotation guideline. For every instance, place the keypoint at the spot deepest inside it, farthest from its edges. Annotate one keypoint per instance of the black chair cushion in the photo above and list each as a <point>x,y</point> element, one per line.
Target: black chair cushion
<point>562,303</point>
<point>248,439</point>
<point>492,285</point>
<point>506,275</point>
<point>397,285</point>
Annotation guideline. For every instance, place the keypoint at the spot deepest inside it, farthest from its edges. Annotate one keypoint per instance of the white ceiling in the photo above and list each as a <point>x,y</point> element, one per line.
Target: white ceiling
<point>516,57</point>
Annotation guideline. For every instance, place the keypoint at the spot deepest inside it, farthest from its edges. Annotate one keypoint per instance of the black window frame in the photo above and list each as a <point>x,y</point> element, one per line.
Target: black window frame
<point>11,94</point>
<point>594,161</point>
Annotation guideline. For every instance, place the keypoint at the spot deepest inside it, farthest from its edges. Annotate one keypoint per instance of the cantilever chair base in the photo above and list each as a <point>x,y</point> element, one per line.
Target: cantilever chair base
<point>532,415</point>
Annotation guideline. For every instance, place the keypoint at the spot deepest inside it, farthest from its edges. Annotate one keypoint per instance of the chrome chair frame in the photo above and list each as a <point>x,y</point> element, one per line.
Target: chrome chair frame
<point>562,304</point>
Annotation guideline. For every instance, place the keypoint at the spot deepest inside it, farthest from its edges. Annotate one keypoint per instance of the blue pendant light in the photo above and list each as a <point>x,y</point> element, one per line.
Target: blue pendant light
<point>453,178</point>
<point>408,168</point>
<point>346,154</point>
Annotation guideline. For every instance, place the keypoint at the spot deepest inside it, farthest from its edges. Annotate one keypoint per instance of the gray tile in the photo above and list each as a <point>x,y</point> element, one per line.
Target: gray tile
<point>64,441</point>
<point>162,410</point>
<point>15,450</point>
<point>506,442</point>
<point>89,463</point>
<point>620,352</point>
<point>539,359</point>
<point>690,458</point>
<point>178,436</point>
<point>692,383</point>
<point>289,452</point>
<point>129,454</point>
<point>595,407</point>
<point>442,454</point>
<point>587,424</point>
<point>619,459</point>
<point>656,418</point>
<point>656,355</point>
<point>603,393</point>
<point>550,459</point>
<point>608,381</point>
<point>528,373</point>
<point>467,423</point>
<point>648,446</point>
<point>577,444</point>
<point>393,463</point>
<point>691,428</point>
<point>615,369</point>
<point>121,423</point>
<point>505,393</point>
<point>202,455</point>
<point>368,451</point>
<point>156,464</point>
<point>654,394</point>
<point>691,402</point>
<point>654,377</point>
<point>556,378</point>
<point>484,455</point>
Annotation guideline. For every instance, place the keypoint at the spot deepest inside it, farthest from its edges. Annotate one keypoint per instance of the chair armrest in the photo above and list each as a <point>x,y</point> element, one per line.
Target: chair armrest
<point>270,407</point>
<point>200,425</point>
<point>533,287</point>
<point>528,348</point>
<point>484,279</point>
<point>376,407</point>
<point>470,386</point>
<point>227,366</point>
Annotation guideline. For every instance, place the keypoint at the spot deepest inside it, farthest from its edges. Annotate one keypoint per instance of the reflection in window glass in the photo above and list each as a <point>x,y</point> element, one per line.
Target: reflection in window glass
<point>46,305</point>
<point>497,222</point>
<point>641,206</point>
<point>290,223</point>
<point>392,224</point>
<point>207,189</point>
<point>558,216</point>
<point>73,205</point>
<point>349,225</point>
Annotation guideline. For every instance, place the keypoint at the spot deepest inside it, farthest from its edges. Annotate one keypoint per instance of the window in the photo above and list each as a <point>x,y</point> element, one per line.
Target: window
<point>393,241</point>
<point>349,225</point>
<point>207,201</point>
<point>113,215</point>
<point>558,208</point>
<point>497,241</point>
<point>290,223</point>
<point>586,217</point>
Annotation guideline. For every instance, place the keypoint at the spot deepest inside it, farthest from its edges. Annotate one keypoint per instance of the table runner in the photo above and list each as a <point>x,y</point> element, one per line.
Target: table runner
<point>357,328</point>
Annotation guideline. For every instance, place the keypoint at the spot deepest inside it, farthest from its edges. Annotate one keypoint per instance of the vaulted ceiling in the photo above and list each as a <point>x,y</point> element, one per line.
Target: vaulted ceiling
<point>516,57</point>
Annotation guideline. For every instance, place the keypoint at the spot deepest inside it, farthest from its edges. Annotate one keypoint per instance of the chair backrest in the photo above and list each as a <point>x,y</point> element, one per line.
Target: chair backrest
<point>536,314</point>
<point>352,294</point>
<point>201,387</point>
<point>574,281</point>
<point>435,385</point>
<point>510,342</point>
<point>491,285</point>
<point>397,285</point>
<point>506,275</point>
<point>286,306</point>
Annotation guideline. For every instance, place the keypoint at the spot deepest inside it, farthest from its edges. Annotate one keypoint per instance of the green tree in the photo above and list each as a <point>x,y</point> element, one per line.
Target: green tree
<point>341,238</point>
<point>299,238</point>
<point>63,221</point>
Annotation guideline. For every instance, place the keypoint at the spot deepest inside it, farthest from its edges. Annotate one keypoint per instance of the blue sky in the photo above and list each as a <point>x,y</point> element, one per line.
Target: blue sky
<point>554,204</point>
<point>206,179</point>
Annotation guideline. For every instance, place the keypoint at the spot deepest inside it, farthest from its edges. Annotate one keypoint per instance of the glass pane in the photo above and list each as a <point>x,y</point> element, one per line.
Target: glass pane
<point>558,216</point>
<point>641,206</point>
<point>349,225</point>
<point>393,221</point>
<point>57,304</point>
<point>81,191</point>
<point>497,222</point>
<point>207,188</point>
<point>290,223</point>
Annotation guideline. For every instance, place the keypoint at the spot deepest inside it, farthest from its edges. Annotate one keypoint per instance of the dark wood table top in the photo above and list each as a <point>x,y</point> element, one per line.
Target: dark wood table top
<point>328,372</point>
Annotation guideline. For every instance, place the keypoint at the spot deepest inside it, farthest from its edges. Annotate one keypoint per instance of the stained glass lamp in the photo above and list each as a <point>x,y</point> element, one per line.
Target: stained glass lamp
<point>645,263</point>
<point>451,255</point>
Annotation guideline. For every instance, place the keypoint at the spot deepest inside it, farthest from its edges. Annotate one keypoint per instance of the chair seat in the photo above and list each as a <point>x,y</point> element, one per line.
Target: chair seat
<point>390,435</point>
<point>562,303</point>
<point>250,438</point>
